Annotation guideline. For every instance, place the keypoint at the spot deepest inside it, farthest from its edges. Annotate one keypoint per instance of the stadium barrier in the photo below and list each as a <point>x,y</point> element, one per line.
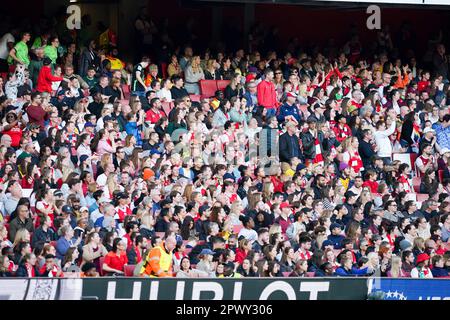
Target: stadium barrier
<point>410,289</point>
<point>184,289</point>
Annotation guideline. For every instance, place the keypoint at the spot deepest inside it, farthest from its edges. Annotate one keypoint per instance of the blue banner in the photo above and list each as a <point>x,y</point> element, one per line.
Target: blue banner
<point>411,289</point>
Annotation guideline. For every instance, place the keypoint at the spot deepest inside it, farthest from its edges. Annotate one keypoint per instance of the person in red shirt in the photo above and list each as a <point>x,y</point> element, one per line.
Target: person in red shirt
<point>13,128</point>
<point>36,113</point>
<point>342,130</point>
<point>45,77</point>
<point>241,253</point>
<point>123,209</point>
<point>371,177</point>
<point>267,96</point>
<point>154,113</point>
<point>116,259</point>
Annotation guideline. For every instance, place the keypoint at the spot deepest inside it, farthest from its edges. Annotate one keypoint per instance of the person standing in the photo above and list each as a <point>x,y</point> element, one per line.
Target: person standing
<point>159,261</point>
<point>267,96</point>
<point>19,54</point>
<point>138,87</point>
<point>51,50</point>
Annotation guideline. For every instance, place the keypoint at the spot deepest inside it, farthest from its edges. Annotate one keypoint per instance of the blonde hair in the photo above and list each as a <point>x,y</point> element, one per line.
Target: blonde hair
<point>396,264</point>
<point>195,64</point>
<point>112,185</point>
<point>21,236</point>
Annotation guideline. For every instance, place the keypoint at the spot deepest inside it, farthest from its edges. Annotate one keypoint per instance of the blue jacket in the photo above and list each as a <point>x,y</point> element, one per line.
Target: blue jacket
<point>287,110</point>
<point>439,272</point>
<point>336,240</point>
<point>341,272</point>
<point>132,128</point>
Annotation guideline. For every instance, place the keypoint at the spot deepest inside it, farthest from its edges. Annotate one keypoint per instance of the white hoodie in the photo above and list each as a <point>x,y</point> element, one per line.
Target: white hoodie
<point>383,142</point>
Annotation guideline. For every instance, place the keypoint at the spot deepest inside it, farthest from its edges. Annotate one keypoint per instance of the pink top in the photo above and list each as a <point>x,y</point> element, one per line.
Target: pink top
<point>104,147</point>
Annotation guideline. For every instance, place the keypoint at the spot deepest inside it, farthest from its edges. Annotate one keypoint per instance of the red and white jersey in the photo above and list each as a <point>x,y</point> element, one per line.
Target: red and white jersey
<point>121,212</point>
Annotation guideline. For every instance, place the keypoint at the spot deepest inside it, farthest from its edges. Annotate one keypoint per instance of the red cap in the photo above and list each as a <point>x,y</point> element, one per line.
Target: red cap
<point>422,257</point>
<point>285,205</point>
<point>291,94</point>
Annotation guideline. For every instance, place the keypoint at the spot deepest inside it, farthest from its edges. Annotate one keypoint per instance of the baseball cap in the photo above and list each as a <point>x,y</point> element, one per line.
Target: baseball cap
<point>228,176</point>
<point>121,195</point>
<point>285,205</point>
<point>89,125</point>
<point>349,194</point>
<point>207,251</point>
<point>291,95</point>
<point>300,167</point>
<point>428,129</point>
<point>335,225</point>
<point>66,208</point>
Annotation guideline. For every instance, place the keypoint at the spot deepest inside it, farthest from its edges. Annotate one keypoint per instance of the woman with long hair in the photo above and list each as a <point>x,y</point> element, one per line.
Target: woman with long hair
<point>396,268</point>
<point>351,155</point>
<point>430,183</point>
<point>287,260</point>
<point>221,114</point>
<point>118,255</point>
<point>246,269</point>
<point>193,74</point>
<point>241,253</point>
<point>27,267</point>
<point>93,250</point>
<point>69,263</point>
<point>212,70</point>
<point>186,270</point>
<point>234,88</point>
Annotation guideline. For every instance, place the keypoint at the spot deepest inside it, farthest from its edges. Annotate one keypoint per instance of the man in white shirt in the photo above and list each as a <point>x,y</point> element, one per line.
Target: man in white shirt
<point>381,137</point>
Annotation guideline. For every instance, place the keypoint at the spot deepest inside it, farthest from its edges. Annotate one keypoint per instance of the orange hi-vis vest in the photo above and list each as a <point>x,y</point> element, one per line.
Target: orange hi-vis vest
<point>158,263</point>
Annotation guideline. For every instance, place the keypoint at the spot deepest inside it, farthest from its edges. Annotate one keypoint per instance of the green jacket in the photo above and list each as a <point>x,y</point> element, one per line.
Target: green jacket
<point>34,67</point>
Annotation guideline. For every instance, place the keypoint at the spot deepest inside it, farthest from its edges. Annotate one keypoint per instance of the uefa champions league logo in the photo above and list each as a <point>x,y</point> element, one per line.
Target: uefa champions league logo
<point>395,295</point>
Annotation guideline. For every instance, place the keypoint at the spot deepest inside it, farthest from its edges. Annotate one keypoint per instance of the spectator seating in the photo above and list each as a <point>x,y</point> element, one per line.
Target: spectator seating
<point>208,88</point>
<point>222,84</point>
<point>408,158</point>
<point>101,261</point>
<point>195,97</point>
<point>126,91</point>
<point>129,270</point>
<point>416,183</point>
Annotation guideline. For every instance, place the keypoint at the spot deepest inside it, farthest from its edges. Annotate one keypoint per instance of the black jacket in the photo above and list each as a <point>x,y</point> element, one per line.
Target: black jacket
<point>287,145</point>
<point>309,146</point>
<point>22,271</point>
<point>41,236</point>
<point>366,152</point>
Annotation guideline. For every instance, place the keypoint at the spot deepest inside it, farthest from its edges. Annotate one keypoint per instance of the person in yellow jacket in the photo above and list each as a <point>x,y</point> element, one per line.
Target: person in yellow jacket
<point>116,63</point>
<point>159,260</point>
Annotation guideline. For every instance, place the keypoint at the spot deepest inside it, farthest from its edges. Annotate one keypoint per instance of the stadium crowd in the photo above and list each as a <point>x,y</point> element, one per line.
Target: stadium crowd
<point>324,162</point>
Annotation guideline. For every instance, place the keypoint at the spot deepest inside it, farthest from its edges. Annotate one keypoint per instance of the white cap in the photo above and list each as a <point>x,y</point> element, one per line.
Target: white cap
<point>428,129</point>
